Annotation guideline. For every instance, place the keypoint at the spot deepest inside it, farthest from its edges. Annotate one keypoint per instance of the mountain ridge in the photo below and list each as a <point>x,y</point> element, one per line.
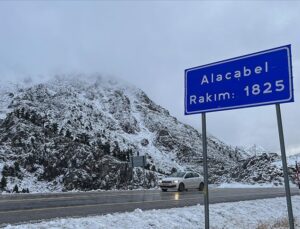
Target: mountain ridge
<point>79,134</point>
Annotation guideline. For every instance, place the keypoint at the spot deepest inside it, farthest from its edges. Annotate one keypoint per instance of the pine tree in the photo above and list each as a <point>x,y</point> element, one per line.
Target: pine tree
<point>106,148</point>
<point>85,138</point>
<point>54,127</point>
<point>16,189</point>
<point>5,170</point>
<point>68,134</point>
<point>17,112</point>
<point>26,115</point>
<point>3,182</point>
<point>17,166</point>
<point>32,140</point>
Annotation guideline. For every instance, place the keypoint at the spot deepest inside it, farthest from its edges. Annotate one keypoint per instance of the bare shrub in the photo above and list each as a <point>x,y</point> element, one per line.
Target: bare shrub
<point>278,224</point>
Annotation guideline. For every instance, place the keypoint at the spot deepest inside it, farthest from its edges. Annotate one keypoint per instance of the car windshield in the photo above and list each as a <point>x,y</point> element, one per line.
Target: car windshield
<point>177,174</point>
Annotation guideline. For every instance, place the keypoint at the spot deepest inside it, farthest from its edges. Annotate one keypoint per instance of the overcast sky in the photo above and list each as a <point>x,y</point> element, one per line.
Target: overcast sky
<point>150,44</point>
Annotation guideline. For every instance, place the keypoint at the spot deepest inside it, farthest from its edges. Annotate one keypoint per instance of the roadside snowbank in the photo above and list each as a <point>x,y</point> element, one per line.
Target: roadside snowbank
<point>241,185</point>
<point>245,214</point>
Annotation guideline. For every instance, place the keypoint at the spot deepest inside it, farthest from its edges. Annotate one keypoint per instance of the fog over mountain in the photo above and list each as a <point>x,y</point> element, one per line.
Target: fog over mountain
<point>150,44</point>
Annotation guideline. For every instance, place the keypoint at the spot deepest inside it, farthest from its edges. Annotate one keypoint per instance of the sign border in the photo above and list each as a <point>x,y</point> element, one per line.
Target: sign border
<point>289,56</point>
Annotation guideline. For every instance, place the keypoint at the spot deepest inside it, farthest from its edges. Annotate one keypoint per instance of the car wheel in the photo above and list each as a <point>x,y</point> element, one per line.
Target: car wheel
<point>181,187</point>
<point>201,186</point>
<point>164,189</point>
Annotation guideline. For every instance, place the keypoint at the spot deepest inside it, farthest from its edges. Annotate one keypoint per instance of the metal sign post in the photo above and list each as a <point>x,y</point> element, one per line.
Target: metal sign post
<point>132,173</point>
<point>205,170</point>
<point>138,161</point>
<point>285,169</point>
<point>144,159</point>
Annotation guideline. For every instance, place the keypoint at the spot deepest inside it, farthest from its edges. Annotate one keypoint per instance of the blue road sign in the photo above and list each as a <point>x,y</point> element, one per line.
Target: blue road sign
<point>256,79</point>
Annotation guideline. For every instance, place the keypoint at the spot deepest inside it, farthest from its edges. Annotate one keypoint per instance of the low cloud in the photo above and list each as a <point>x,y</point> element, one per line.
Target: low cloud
<point>150,44</point>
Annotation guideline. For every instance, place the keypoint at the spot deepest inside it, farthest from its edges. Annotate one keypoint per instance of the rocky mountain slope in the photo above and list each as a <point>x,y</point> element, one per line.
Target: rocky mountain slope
<point>254,150</point>
<point>71,133</point>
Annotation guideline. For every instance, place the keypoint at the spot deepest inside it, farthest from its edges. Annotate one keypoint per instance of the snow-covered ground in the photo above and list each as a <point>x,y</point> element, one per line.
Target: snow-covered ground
<point>44,190</point>
<point>245,214</point>
<point>241,185</point>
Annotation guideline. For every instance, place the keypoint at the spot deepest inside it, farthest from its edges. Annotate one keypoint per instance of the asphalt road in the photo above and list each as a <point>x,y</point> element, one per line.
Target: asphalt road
<point>34,207</point>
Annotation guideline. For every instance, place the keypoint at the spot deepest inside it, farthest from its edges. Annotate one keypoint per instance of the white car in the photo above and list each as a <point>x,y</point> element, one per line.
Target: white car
<point>182,181</point>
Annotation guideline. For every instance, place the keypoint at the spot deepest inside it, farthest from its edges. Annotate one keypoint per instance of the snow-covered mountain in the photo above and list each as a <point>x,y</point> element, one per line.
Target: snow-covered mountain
<point>71,133</point>
<point>291,160</point>
<point>254,150</point>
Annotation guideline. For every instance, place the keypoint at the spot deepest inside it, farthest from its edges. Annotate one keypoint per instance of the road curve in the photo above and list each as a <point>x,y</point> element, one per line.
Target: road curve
<point>34,207</point>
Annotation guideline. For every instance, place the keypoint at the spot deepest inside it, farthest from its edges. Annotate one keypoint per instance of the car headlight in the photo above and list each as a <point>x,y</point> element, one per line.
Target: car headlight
<point>175,181</point>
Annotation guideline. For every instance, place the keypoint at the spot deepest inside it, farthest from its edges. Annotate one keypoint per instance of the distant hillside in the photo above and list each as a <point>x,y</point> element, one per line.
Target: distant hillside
<point>78,134</point>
